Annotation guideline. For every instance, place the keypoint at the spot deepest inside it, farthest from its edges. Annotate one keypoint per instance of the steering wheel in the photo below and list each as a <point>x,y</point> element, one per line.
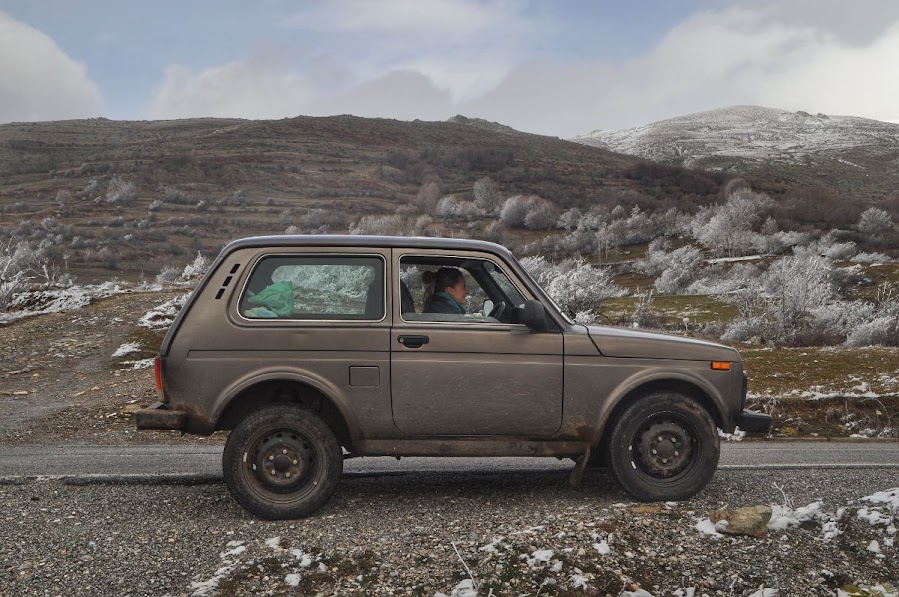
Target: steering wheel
<point>498,310</point>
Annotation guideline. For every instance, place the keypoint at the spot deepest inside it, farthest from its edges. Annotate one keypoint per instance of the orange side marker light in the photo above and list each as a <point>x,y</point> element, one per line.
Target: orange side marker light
<point>720,365</point>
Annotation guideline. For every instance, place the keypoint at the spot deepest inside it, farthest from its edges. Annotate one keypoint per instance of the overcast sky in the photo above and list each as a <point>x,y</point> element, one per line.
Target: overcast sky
<point>557,68</point>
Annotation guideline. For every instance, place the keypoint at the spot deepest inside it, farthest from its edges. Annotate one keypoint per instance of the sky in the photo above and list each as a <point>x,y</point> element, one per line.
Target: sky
<point>559,68</point>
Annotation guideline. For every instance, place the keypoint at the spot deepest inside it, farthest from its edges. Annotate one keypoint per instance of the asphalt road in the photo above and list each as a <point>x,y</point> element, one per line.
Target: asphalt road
<point>104,463</point>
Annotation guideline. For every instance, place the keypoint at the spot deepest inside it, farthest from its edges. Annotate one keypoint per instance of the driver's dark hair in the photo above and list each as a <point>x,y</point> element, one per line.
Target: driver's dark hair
<point>438,281</point>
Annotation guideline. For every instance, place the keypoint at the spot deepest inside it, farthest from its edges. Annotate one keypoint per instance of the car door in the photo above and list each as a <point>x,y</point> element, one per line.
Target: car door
<point>472,376</point>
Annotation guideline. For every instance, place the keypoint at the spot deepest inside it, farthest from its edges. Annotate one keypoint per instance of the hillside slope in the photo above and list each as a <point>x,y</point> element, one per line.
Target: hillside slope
<point>848,153</point>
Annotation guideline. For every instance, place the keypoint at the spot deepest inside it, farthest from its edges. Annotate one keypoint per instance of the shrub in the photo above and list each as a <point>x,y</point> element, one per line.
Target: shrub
<point>514,211</point>
<point>120,191</point>
<point>486,195</point>
<point>541,215</point>
<point>576,286</point>
<point>871,258</point>
<point>875,222</point>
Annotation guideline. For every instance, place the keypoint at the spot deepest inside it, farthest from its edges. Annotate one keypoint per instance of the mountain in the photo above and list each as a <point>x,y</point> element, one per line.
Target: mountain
<point>852,154</point>
<point>134,195</point>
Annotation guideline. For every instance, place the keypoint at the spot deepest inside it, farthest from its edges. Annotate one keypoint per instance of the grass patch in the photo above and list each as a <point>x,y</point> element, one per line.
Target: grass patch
<point>829,370</point>
<point>670,311</point>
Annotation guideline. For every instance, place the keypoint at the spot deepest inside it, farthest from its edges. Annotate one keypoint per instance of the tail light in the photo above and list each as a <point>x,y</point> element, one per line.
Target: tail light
<point>157,373</point>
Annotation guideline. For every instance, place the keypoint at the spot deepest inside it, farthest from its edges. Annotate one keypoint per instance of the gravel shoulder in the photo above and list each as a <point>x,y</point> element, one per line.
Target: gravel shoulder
<point>398,535</point>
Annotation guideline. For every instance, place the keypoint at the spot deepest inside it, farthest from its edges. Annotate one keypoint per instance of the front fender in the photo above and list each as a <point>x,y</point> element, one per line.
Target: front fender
<point>675,378</point>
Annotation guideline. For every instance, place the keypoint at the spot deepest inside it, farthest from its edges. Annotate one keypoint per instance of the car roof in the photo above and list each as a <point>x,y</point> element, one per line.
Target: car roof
<point>361,240</point>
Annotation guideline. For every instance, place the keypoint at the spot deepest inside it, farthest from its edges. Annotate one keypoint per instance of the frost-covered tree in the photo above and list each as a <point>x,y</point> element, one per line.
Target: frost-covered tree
<point>727,229</point>
<point>875,222</point>
<point>486,195</point>
<point>428,196</point>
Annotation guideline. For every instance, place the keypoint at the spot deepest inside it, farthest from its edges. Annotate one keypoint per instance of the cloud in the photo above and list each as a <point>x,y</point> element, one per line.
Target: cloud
<point>709,60</point>
<point>253,89</point>
<point>38,80</point>
<point>464,46</point>
<point>261,89</point>
<point>428,21</point>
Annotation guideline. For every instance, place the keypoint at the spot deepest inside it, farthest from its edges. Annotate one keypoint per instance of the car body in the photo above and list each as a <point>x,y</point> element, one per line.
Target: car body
<point>322,327</point>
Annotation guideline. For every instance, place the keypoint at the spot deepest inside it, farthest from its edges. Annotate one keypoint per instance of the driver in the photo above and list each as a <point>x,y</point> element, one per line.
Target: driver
<point>445,291</point>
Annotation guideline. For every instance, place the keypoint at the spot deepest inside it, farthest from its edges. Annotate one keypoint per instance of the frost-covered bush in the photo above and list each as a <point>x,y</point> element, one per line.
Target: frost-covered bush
<point>320,219</point>
<point>883,326</point>
<point>780,306</point>
<point>570,220</point>
<point>840,251</point>
<point>167,275</point>
<point>792,238</point>
<point>156,205</point>
<point>120,191</point>
<point>18,263</point>
<point>576,286</point>
<point>683,265</point>
<point>657,257</point>
<point>518,208</point>
<point>871,258</point>
<point>541,215</point>
<point>392,225</point>
<point>196,268</point>
<point>721,280</point>
<point>454,207</point>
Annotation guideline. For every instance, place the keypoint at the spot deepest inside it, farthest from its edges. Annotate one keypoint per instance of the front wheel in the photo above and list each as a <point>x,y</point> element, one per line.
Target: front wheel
<point>664,447</point>
<point>282,462</point>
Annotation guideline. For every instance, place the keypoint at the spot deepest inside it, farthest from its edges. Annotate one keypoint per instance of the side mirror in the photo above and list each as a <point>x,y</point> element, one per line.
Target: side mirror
<point>487,308</point>
<point>533,315</point>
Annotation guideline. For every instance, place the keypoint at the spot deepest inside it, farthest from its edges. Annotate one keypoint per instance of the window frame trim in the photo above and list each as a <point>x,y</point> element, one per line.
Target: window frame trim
<point>255,263</point>
<point>399,279</point>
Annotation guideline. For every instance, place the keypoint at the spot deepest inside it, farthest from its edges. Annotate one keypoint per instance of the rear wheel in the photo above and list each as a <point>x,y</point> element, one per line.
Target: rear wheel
<point>664,447</point>
<point>282,462</point>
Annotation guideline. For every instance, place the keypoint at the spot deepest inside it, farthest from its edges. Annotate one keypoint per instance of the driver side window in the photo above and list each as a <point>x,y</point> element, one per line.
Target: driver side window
<point>443,289</point>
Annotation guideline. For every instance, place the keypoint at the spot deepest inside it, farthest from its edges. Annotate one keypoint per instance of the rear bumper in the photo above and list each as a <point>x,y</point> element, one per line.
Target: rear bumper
<point>753,421</point>
<point>159,416</point>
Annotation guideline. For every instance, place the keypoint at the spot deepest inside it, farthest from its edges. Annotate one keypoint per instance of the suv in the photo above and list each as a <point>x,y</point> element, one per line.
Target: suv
<point>313,349</point>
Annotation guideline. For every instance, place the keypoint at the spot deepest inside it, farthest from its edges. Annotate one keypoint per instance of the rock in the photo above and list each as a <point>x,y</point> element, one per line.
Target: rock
<point>752,520</point>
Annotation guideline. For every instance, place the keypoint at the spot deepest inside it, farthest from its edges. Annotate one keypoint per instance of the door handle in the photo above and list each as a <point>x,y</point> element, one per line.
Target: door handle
<point>413,341</point>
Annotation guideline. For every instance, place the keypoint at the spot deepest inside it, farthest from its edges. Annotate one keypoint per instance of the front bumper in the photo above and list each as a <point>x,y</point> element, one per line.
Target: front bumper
<point>753,421</point>
<point>159,416</point>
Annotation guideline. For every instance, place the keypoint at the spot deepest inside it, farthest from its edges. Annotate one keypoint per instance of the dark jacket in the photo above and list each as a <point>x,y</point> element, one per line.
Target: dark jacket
<point>444,303</point>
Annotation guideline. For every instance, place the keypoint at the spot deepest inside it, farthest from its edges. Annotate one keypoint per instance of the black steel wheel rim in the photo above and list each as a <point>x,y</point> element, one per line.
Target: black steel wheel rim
<point>665,448</point>
<point>281,461</point>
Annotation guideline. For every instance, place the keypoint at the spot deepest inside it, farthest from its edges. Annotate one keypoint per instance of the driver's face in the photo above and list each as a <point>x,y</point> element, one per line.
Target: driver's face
<point>458,291</point>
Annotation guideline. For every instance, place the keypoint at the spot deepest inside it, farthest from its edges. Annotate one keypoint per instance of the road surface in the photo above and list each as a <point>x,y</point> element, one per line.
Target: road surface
<point>204,462</point>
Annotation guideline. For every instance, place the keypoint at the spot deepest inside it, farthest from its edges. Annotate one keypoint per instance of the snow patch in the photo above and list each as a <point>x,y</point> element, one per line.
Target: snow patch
<point>126,348</point>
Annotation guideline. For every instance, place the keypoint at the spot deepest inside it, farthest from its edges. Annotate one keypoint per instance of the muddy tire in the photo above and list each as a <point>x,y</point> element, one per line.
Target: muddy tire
<point>282,462</point>
<point>663,447</point>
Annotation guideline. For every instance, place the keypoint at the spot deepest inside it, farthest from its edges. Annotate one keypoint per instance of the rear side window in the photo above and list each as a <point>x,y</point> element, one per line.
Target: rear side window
<point>315,287</point>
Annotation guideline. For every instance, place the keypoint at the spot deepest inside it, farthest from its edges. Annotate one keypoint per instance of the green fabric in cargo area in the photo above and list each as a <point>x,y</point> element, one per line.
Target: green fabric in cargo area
<point>278,297</point>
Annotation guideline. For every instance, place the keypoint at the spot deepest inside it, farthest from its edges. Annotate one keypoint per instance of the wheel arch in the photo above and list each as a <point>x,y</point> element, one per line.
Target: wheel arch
<point>286,387</point>
<point>690,387</point>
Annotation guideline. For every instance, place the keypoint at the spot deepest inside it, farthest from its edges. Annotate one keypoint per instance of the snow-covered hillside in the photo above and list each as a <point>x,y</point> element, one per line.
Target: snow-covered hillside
<point>750,133</point>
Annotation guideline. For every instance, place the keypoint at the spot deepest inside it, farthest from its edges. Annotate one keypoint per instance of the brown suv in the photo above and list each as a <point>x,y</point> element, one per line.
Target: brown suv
<point>313,349</point>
